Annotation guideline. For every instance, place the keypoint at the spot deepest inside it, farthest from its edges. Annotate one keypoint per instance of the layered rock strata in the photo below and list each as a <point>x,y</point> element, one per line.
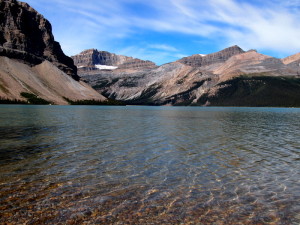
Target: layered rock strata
<point>26,35</point>
<point>206,60</point>
<point>89,59</point>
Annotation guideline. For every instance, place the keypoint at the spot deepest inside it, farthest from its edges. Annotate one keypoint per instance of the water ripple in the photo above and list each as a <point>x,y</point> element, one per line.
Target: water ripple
<point>155,165</point>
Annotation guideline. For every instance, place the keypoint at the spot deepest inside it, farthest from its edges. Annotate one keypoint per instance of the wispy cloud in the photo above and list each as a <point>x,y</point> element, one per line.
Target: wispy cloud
<point>258,27</point>
<point>163,47</point>
<point>268,26</point>
<point>156,52</point>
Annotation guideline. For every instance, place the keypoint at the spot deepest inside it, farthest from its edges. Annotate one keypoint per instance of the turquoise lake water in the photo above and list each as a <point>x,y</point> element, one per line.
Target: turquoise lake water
<point>149,165</point>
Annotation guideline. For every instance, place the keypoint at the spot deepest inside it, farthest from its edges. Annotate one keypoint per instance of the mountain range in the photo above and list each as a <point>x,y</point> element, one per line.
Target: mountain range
<point>33,65</point>
<point>230,77</point>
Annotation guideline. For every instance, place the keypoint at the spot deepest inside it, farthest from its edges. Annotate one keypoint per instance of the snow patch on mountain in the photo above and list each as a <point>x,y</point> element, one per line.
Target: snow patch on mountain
<point>105,67</point>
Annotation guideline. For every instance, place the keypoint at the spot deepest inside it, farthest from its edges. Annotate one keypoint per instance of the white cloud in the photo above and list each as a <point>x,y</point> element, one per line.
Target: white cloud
<point>163,47</point>
<point>253,27</point>
<point>158,55</point>
<point>179,55</point>
<point>273,27</point>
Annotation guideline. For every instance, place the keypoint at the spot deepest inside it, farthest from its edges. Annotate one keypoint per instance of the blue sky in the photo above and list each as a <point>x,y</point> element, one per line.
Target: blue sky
<point>166,30</point>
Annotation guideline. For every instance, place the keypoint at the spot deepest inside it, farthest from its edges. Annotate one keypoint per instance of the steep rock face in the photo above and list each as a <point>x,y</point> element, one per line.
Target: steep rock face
<point>32,63</point>
<point>88,59</point>
<point>217,57</point>
<point>93,57</point>
<point>27,35</point>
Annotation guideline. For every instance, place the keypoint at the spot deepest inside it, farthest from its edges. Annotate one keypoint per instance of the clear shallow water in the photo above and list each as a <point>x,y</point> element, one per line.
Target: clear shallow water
<point>149,165</point>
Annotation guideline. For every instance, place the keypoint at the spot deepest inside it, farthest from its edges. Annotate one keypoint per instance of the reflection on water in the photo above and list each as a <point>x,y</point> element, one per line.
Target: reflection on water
<point>149,165</point>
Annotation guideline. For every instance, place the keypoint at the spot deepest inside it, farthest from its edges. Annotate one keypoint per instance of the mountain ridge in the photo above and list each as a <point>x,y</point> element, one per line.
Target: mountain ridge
<point>90,58</point>
<point>199,60</point>
<point>188,80</point>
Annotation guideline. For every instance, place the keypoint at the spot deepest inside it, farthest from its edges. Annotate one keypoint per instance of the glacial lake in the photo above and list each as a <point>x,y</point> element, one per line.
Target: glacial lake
<point>149,165</point>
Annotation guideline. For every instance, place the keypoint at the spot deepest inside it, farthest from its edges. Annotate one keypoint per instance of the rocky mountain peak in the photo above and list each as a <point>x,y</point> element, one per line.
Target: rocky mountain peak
<point>26,35</point>
<point>291,59</point>
<point>91,59</point>
<point>233,50</point>
<point>217,57</point>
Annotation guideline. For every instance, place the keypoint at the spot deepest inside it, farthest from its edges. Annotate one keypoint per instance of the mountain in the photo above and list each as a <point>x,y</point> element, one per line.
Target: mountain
<point>93,59</point>
<point>252,62</point>
<point>229,77</point>
<point>211,59</point>
<point>292,59</point>
<point>32,62</point>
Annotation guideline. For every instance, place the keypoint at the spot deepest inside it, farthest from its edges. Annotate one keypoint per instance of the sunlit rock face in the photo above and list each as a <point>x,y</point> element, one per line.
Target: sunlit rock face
<point>27,35</point>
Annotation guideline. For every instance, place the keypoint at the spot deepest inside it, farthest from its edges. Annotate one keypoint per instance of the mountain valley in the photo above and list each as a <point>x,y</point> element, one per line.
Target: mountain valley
<point>230,77</point>
<point>32,62</point>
